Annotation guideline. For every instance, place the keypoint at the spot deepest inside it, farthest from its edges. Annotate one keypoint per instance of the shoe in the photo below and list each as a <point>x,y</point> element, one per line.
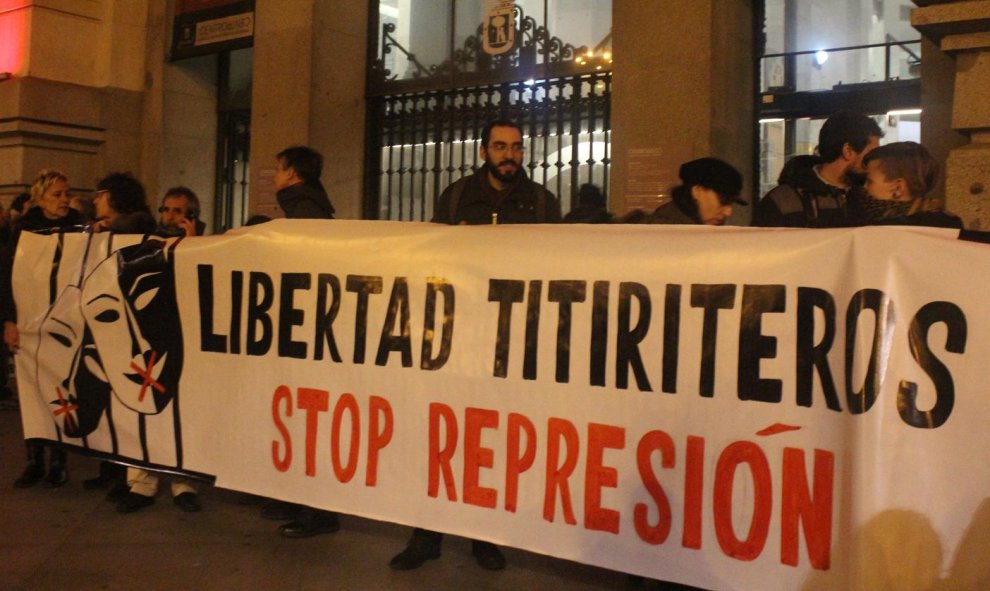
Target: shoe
<point>109,473</point>
<point>134,502</point>
<point>488,555</point>
<point>31,475</point>
<point>424,545</point>
<point>319,522</point>
<point>35,469</point>
<point>118,492</point>
<point>280,510</point>
<point>58,474</point>
<point>188,502</point>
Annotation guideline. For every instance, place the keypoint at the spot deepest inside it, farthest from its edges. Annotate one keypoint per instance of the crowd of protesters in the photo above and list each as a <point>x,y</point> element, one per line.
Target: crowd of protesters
<point>850,181</point>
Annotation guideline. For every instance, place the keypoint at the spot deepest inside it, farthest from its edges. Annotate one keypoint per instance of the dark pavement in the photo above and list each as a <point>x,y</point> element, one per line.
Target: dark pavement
<point>71,539</point>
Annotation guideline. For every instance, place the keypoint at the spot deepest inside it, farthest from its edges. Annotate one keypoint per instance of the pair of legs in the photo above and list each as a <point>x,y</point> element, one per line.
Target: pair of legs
<point>144,485</point>
<point>425,545</point>
<point>34,472</point>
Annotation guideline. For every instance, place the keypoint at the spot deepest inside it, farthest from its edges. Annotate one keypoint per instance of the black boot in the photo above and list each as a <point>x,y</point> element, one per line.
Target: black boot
<point>35,469</point>
<point>58,474</point>
<point>310,522</point>
<point>423,545</point>
<point>110,474</point>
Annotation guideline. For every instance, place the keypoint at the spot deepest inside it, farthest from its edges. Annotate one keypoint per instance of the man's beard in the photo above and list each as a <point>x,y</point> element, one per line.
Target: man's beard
<point>506,178</point>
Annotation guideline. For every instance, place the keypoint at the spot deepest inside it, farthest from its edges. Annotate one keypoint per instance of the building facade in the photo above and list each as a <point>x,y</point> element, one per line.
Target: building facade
<point>90,86</point>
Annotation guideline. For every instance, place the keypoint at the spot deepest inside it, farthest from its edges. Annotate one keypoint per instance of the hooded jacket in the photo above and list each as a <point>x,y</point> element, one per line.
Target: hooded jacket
<point>802,199</point>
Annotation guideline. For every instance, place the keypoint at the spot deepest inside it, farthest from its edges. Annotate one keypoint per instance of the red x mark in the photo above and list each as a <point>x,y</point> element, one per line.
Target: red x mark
<point>65,408</point>
<point>146,374</point>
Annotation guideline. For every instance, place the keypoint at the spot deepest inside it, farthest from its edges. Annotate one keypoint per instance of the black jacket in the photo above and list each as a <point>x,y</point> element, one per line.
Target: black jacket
<point>802,199</point>
<point>470,201</point>
<point>305,200</point>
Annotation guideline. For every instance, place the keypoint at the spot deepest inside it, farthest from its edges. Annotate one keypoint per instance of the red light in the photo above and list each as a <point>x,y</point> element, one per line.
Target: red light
<point>14,41</point>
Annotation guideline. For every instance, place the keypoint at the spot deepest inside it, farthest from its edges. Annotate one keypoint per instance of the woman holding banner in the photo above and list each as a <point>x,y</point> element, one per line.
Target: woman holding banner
<point>51,213</point>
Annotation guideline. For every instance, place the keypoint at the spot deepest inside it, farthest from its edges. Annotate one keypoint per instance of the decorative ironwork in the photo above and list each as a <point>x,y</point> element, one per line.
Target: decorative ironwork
<point>532,40</point>
<point>421,142</point>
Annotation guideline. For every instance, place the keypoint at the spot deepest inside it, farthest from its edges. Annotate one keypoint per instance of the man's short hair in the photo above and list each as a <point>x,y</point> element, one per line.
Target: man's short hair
<point>486,133</point>
<point>307,162</point>
<point>126,192</point>
<point>846,127</point>
<point>189,195</point>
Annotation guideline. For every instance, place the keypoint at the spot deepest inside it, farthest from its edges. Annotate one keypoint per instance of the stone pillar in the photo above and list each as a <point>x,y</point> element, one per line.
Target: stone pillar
<point>683,88</point>
<point>337,104</point>
<point>961,30</point>
<point>280,94</point>
<point>72,86</point>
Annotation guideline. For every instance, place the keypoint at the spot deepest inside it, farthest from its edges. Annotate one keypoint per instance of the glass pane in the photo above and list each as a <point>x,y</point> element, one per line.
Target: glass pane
<point>416,40</point>
<point>810,25</point>
<point>819,28</point>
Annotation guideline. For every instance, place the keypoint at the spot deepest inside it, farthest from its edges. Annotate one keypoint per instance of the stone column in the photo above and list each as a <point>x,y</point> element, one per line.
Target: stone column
<point>683,88</point>
<point>960,30</point>
<point>337,105</point>
<point>309,71</point>
<point>280,94</point>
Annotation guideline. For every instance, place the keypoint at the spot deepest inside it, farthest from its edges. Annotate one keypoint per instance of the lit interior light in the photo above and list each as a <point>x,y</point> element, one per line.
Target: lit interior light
<point>904,112</point>
<point>821,56</point>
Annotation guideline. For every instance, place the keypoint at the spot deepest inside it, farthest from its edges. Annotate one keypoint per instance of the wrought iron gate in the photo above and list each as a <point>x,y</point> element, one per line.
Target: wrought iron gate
<point>425,141</point>
<point>424,124</point>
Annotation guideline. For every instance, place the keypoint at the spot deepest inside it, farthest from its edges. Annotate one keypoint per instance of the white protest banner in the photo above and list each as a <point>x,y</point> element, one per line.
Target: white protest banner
<point>727,408</point>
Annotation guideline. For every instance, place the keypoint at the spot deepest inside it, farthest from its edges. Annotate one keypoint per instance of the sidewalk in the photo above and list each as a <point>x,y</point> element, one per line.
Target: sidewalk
<point>71,539</point>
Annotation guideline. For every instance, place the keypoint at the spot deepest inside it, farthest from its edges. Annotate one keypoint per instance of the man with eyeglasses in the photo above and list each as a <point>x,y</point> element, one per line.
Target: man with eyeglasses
<point>179,213</point>
<point>497,193</point>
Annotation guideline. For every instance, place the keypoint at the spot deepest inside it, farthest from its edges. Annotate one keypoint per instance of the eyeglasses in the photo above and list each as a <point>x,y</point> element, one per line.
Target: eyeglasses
<point>504,147</point>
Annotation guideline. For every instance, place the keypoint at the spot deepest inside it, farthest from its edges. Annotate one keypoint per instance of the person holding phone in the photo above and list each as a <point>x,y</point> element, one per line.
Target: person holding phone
<point>179,213</point>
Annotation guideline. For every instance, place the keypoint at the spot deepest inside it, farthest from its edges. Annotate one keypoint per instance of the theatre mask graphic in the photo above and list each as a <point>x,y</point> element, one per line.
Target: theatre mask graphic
<point>129,304</point>
<point>114,335</point>
<point>72,378</point>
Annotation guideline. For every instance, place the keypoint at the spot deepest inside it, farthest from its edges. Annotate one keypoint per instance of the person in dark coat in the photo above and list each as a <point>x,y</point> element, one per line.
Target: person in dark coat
<point>51,195</point>
<point>301,196</point>
<point>709,188</point>
<point>122,205</point>
<point>899,180</point>
<point>497,193</point>
<point>297,179</point>
<point>591,209</point>
<point>814,191</point>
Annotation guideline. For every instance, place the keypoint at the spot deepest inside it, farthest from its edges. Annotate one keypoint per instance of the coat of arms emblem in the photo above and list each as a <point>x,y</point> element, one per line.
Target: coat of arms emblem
<point>499,31</point>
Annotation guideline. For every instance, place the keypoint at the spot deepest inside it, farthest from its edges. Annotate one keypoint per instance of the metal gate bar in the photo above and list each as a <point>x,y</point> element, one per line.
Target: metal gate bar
<point>430,139</point>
